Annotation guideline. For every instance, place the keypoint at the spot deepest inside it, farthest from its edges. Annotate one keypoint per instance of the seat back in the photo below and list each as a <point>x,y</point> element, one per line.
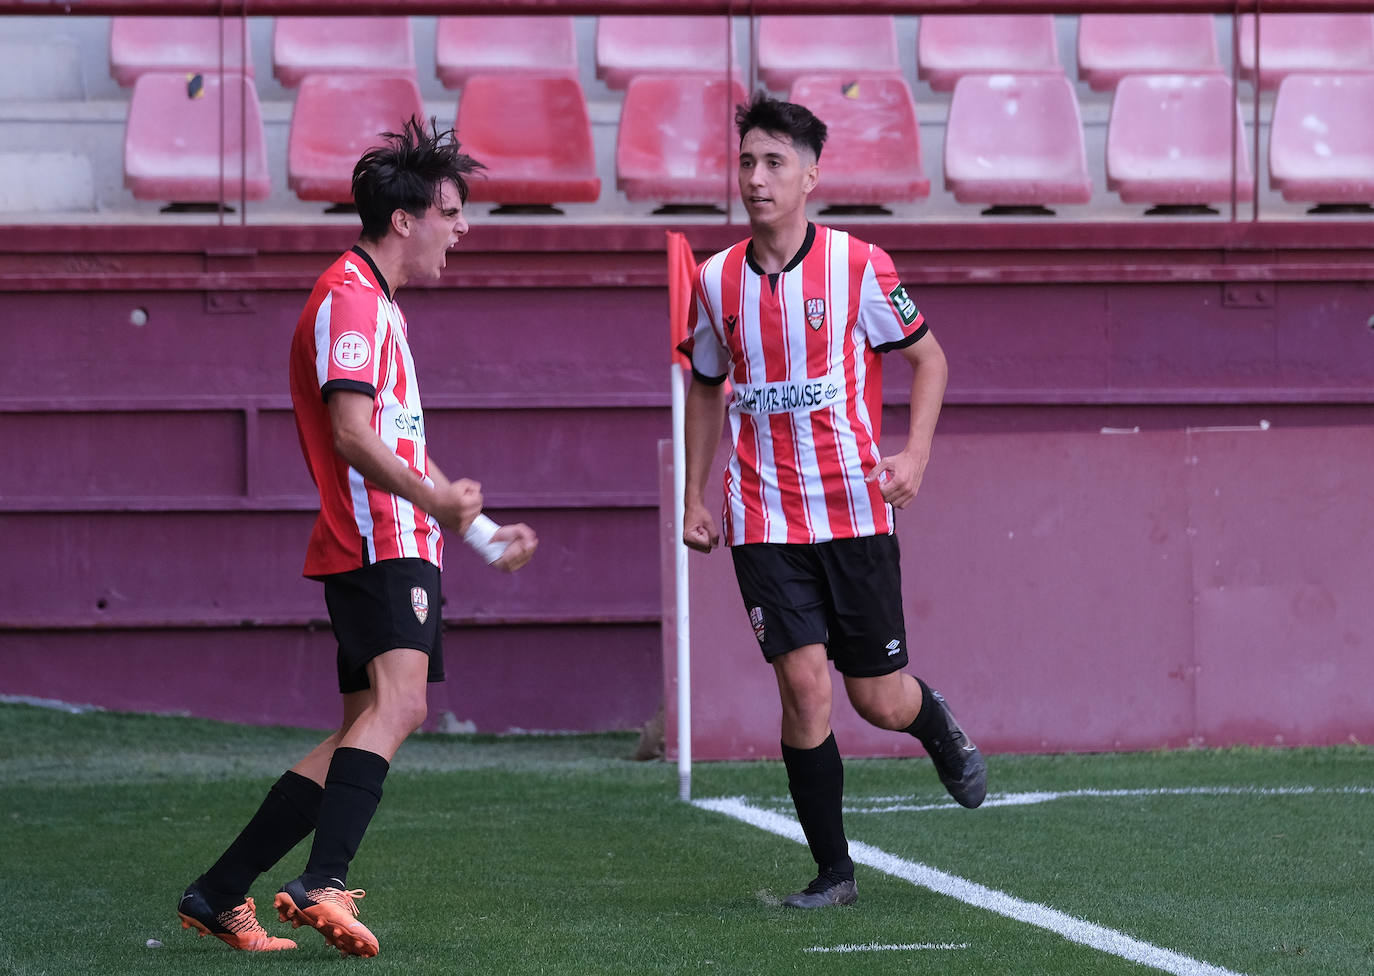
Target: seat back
<point>949,46</point>
<point>340,45</point>
<point>184,44</point>
<point>533,135</point>
<point>1111,46</point>
<point>337,118</point>
<point>1016,140</point>
<point>787,47</point>
<point>465,46</point>
<point>676,142</point>
<point>1321,142</point>
<point>1306,43</point>
<point>872,152</point>
<point>179,135</point>
<point>630,46</point>
<point>1169,142</point>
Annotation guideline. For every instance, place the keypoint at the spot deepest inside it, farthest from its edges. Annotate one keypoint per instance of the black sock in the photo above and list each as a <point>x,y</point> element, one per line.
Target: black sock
<point>352,791</point>
<point>287,816</point>
<point>815,778</point>
<point>930,720</point>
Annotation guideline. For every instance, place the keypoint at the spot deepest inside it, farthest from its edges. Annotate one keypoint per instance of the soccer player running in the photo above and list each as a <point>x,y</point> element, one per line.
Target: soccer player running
<point>796,318</point>
<point>377,544</point>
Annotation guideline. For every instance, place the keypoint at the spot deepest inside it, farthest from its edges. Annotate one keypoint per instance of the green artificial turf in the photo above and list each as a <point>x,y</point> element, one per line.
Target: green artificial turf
<point>558,855</point>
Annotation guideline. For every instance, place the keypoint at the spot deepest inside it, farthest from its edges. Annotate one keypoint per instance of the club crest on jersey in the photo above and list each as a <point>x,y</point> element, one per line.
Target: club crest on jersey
<point>815,312</point>
<point>756,618</point>
<point>419,602</point>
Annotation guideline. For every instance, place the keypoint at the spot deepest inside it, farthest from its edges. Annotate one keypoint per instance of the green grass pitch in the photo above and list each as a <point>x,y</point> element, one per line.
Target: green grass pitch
<point>557,855</point>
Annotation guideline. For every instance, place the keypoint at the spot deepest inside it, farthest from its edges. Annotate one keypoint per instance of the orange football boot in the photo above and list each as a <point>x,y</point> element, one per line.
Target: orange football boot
<point>331,910</point>
<point>237,928</point>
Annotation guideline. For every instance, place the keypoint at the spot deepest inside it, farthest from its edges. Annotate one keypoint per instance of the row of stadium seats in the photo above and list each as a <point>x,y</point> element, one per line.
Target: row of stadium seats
<point>1011,140</point>
<point>785,47</point>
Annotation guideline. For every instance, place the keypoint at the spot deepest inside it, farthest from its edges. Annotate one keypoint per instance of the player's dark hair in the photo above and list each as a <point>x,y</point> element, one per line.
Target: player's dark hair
<point>788,119</point>
<point>408,173</point>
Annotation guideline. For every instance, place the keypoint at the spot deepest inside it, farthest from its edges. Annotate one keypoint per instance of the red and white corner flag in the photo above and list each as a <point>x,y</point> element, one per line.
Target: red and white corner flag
<point>682,269</point>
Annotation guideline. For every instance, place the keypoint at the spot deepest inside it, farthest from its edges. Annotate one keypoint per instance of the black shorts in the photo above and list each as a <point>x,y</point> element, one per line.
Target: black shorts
<point>390,604</point>
<point>845,594</point>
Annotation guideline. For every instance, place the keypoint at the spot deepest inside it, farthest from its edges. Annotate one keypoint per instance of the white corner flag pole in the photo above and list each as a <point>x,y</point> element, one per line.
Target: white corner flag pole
<point>684,645</point>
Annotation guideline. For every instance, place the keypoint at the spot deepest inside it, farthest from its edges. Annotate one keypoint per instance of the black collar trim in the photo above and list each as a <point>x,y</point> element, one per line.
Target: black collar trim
<point>375,271</point>
<point>796,258</point>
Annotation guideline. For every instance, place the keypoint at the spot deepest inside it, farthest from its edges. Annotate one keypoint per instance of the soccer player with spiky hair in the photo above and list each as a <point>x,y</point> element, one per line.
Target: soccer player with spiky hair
<point>797,318</point>
<point>377,545</point>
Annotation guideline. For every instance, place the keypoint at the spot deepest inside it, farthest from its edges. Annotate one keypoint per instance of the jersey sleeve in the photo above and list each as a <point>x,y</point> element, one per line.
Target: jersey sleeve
<point>348,332</point>
<point>710,359</point>
<point>889,317</point>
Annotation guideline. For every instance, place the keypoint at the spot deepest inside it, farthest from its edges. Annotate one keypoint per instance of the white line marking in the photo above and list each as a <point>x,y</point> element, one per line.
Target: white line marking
<point>900,804</point>
<point>60,706</point>
<point>1074,929</point>
<point>875,947</point>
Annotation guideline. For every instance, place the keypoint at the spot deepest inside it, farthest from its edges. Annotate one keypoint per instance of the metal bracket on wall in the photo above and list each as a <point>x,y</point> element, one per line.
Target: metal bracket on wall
<point>1247,294</point>
<point>230,303</point>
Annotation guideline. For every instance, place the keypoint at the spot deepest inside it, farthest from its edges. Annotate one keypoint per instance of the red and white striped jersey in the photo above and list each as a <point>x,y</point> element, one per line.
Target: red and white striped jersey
<point>352,336</point>
<point>806,406</point>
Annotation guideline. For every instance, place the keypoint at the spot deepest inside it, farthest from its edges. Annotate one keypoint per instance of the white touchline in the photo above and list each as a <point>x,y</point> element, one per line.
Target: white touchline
<point>1074,929</point>
<point>876,947</point>
<point>897,804</point>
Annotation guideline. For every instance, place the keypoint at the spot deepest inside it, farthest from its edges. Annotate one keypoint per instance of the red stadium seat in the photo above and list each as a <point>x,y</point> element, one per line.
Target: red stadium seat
<point>1321,141</point>
<point>873,153</point>
<point>1168,143</point>
<point>1306,44</point>
<point>545,157</point>
<point>466,46</point>
<point>1016,141</point>
<point>630,46</point>
<point>789,47</point>
<point>177,139</point>
<point>1111,46</point>
<point>677,142</point>
<point>184,44</point>
<point>951,46</point>
<point>336,45</point>
<point>335,120</point>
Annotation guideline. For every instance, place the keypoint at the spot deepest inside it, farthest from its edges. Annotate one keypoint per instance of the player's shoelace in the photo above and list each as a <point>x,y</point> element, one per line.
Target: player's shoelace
<point>337,896</point>
<point>242,919</point>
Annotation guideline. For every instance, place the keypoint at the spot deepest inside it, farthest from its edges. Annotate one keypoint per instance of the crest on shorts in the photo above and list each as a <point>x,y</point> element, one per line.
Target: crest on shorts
<point>419,602</point>
<point>756,618</point>
<point>815,312</point>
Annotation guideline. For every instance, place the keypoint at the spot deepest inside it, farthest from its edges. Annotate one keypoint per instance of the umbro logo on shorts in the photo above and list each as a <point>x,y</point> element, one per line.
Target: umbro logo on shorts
<point>893,647</point>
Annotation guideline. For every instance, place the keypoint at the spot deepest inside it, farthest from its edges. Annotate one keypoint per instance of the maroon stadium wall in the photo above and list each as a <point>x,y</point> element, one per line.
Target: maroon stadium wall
<point>1077,589</point>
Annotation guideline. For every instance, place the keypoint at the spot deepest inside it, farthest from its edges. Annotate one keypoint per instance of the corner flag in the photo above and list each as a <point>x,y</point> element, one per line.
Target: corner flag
<point>681,270</point>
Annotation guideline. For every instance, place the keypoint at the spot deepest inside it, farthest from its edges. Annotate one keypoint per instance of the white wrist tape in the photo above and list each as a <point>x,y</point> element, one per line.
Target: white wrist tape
<point>478,535</point>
